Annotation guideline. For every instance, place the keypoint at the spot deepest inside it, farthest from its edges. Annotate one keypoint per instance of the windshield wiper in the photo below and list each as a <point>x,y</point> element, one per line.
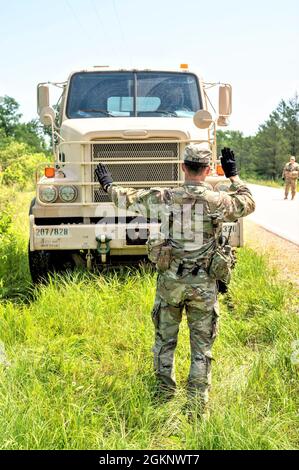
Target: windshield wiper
<point>94,110</point>
<point>165,112</point>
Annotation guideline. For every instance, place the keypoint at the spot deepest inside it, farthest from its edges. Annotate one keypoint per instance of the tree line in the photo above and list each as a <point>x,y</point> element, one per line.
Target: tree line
<point>264,154</point>
<point>12,129</point>
<point>23,146</point>
<point>260,156</point>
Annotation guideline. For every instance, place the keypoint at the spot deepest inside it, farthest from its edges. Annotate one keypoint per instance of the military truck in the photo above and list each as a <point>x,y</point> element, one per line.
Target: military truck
<point>137,122</point>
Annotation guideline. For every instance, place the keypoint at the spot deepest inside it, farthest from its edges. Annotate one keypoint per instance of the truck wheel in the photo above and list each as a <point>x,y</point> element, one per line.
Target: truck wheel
<point>39,265</point>
<point>31,205</point>
<point>43,262</point>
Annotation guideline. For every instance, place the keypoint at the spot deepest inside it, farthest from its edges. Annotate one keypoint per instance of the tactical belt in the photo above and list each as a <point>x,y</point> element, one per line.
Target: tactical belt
<point>195,265</point>
<point>192,266</point>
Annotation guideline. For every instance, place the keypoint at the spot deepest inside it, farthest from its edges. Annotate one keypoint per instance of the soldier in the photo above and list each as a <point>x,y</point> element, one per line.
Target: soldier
<point>290,175</point>
<point>184,281</point>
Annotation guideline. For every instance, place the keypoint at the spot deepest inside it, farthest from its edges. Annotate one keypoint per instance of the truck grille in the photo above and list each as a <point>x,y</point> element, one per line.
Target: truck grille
<point>128,174</point>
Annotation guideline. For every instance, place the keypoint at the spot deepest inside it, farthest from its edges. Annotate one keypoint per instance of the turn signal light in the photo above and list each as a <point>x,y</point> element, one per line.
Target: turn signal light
<point>49,172</point>
<point>219,170</point>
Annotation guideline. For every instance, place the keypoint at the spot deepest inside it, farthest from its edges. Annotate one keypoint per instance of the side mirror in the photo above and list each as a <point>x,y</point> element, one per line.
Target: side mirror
<point>43,97</point>
<point>225,104</point>
<point>202,119</point>
<point>47,116</point>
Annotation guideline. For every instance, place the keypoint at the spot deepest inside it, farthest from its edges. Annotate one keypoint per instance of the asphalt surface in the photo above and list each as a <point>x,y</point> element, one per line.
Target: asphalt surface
<point>275,214</point>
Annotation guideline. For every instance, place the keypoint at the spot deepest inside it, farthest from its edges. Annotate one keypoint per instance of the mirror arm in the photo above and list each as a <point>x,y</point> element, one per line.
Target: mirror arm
<point>214,146</point>
<point>54,132</point>
<point>59,136</point>
<point>208,99</point>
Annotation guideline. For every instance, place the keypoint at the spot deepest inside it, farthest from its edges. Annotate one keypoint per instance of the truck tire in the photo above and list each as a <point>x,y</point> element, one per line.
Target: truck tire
<point>31,205</point>
<point>45,262</point>
<point>39,261</point>
<point>40,264</point>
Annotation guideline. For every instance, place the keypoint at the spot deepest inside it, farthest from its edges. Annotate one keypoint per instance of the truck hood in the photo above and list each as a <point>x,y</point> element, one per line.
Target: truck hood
<point>131,128</point>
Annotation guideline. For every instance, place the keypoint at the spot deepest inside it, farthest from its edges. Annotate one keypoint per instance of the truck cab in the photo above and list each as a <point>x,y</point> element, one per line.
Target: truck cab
<point>137,122</point>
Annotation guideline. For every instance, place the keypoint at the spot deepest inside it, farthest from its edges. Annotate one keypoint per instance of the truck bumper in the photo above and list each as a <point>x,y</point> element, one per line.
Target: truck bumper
<point>83,236</point>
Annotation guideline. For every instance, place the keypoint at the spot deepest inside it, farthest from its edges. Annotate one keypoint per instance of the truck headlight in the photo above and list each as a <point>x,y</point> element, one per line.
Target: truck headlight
<point>48,193</point>
<point>68,193</point>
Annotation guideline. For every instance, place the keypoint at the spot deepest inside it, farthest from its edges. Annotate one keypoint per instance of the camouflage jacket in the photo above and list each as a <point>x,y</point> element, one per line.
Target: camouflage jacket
<point>289,168</point>
<point>188,213</point>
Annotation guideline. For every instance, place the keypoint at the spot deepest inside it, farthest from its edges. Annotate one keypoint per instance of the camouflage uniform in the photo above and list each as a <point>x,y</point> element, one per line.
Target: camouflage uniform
<point>290,178</point>
<point>186,284</point>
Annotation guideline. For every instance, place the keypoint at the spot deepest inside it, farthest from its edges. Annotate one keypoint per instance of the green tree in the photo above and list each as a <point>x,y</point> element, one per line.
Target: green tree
<point>11,152</point>
<point>271,148</point>
<point>21,171</point>
<point>18,165</point>
<point>289,121</point>
<point>264,154</point>
<point>30,133</point>
<point>9,115</point>
<point>243,148</point>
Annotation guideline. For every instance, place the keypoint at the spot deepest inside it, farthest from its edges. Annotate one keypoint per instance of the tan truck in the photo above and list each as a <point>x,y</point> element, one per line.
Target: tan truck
<point>137,122</point>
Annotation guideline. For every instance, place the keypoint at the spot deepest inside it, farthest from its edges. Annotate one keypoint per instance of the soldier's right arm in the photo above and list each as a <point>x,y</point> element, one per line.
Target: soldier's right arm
<point>147,202</point>
<point>236,203</point>
<point>283,171</point>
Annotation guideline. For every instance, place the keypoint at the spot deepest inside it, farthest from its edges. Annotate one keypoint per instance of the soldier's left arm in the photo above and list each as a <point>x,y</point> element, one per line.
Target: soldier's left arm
<point>143,201</point>
<point>236,203</point>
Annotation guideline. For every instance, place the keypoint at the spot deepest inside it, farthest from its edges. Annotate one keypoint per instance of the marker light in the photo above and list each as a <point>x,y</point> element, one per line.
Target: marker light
<point>49,172</point>
<point>184,66</point>
<point>219,170</point>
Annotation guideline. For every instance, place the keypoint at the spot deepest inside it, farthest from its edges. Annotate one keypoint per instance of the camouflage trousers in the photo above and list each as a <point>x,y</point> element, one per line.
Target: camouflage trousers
<point>290,184</point>
<point>197,295</point>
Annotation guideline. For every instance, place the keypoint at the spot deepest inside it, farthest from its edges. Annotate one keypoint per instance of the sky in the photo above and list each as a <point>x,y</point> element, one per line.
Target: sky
<point>252,45</point>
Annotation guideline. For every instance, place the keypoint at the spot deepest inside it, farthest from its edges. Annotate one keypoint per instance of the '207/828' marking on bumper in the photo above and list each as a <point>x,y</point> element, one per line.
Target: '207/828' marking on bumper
<point>50,232</point>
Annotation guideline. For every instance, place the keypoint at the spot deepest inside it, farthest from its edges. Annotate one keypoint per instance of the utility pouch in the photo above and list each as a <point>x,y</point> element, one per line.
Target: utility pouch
<point>159,253</point>
<point>165,258</point>
<point>154,247</point>
<point>221,264</point>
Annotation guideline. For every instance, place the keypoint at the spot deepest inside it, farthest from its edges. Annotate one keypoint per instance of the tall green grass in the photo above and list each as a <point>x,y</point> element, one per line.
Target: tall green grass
<point>14,234</point>
<point>271,183</point>
<point>80,374</point>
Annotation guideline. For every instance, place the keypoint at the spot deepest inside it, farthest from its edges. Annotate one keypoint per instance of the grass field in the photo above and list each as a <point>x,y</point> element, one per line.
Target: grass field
<point>80,374</point>
<point>270,183</point>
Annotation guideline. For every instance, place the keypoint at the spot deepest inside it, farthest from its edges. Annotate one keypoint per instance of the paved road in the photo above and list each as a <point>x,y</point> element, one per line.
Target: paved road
<point>274,213</point>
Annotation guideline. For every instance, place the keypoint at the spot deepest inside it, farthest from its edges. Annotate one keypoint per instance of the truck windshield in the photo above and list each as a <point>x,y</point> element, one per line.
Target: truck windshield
<point>125,94</point>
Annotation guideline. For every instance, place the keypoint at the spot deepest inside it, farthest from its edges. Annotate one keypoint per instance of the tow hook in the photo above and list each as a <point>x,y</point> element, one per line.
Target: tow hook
<point>103,247</point>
